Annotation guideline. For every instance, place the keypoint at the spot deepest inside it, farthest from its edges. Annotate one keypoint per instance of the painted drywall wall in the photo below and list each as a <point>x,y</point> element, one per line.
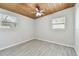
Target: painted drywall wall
<point>41,29</point>
<point>45,32</point>
<point>77,29</point>
<point>23,32</point>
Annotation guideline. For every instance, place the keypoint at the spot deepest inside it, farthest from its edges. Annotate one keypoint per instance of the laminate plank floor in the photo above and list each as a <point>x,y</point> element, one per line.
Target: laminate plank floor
<point>38,48</point>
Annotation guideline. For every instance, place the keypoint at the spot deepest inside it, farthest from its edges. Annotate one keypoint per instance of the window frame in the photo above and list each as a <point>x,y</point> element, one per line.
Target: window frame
<point>5,21</point>
<point>62,23</point>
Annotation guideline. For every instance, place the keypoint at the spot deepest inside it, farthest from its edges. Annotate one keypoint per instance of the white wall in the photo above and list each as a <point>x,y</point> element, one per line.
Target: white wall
<point>41,29</point>
<point>23,32</point>
<point>44,30</point>
<point>77,29</point>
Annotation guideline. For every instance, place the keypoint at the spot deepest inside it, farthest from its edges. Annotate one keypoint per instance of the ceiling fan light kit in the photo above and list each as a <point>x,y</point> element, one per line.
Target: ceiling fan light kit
<point>39,14</point>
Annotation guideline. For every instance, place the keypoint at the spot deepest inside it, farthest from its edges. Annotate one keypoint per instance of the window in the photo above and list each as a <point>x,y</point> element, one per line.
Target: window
<point>58,23</point>
<point>7,21</point>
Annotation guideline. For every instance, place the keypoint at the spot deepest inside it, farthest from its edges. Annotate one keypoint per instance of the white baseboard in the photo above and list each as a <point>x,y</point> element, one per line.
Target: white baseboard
<point>15,44</point>
<point>55,42</point>
<point>32,39</point>
<point>77,52</point>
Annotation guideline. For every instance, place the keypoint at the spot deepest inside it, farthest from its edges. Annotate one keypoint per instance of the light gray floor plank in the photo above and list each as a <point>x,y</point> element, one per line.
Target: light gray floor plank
<point>38,48</point>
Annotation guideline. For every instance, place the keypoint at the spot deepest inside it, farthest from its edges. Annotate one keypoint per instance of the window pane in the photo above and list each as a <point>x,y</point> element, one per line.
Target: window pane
<point>59,26</point>
<point>11,19</point>
<point>58,20</point>
<point>7,21</point>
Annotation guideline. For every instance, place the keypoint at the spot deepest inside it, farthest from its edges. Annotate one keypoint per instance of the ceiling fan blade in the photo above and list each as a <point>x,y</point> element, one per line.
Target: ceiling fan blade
<point>42,11</point>
<point>37,9</point>
<point>33,12</point>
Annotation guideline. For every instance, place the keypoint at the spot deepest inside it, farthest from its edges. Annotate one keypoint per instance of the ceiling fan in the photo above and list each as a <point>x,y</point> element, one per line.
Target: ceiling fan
<point>38,12</point>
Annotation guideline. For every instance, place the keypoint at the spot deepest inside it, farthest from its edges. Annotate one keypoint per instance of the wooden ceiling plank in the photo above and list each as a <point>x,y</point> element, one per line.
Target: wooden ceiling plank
<point>27,9</point>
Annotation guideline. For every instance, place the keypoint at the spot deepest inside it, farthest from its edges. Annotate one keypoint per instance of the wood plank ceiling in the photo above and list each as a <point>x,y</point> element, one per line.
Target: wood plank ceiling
<point>28,9</point>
